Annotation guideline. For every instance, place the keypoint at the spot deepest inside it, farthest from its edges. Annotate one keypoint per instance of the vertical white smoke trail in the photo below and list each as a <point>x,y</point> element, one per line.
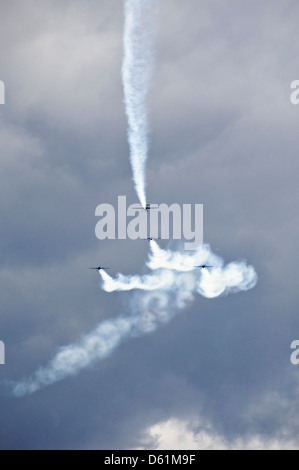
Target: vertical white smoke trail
<point>136,75</point>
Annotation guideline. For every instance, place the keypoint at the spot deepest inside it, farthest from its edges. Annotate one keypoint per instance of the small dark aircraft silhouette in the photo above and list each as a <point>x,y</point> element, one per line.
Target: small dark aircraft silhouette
<point>150,239</point>
<point>203,266</point>
<point>99,268</point>
<point>146,208</point>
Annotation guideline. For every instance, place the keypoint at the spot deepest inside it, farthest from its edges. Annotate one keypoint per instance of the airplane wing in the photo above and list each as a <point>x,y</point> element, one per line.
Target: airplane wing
<point>205,266</point>
<point>100,267</point>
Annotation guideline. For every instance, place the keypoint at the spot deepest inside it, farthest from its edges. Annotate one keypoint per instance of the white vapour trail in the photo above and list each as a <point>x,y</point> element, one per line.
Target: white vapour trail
<point>146,282</point>
<point>171,287</point>
<point>170,268</point>
<point>69,360</point>
<point>136,75</point>
<point>234,277</point>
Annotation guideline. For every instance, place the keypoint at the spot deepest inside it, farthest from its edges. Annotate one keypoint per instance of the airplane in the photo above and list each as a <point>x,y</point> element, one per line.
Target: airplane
<point>146,208</point>
<point>151,239</point>
<point>99,268</point>
<point>203,266</point>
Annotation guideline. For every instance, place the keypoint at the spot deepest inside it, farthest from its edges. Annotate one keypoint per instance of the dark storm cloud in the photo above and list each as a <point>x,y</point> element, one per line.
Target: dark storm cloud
<point>224,134</point>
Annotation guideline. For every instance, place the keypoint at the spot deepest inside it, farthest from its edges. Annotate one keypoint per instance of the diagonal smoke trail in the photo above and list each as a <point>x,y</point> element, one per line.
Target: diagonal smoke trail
<point>70,359</point>
<point>170,287</point>
<point>136,75</point>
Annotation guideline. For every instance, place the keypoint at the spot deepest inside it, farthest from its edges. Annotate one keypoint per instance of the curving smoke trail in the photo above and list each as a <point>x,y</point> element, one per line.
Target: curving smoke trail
<point>136,75</point>
<point>158,297</point>
<point>232,278</point>
<point>170,268</point>
<point>69,360</point>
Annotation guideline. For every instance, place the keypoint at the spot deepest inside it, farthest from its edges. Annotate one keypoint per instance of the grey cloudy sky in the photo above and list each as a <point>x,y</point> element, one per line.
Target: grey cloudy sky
<point>223,133</point>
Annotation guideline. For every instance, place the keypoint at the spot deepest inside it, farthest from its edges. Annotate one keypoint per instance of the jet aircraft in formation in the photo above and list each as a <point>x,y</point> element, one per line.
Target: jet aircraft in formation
<point>146,208</point>
<point>150,239</point>
<point>99,268</point>
<point>203,266</point>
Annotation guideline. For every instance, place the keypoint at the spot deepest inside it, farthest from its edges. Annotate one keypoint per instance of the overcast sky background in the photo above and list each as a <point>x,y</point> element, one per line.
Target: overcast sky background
<point>223,133</point>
